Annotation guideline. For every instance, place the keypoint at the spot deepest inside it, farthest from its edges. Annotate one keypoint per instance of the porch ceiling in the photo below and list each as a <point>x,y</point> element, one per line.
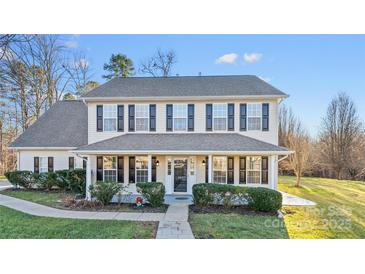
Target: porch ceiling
<point>182,143</point>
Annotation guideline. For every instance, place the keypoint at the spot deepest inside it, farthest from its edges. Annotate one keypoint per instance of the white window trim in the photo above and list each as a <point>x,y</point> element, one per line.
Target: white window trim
<point>148,118</point>
<point>179,117</point>
<point>219,130</point>
<point>220,170</point>
<point>116,117</point>
<point>136,169</point>
<point>40,164</point>
<point>110,169</point>
<point>248,169</point>
<point>260,116</point>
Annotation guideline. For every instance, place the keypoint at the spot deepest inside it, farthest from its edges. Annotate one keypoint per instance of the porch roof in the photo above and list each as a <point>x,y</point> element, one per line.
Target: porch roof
<point>192,143</point>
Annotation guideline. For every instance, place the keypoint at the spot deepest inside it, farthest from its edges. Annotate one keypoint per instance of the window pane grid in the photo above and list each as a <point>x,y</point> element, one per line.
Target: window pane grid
<point>110,117</point>
<point>254,170</point>
<point>220,116</point>
<point>142,117</point>
<point>43,164</point>
<point>220,170</point>
<point>254,116</point>
<point>180,113</point>
<point>141,169</point>
<point>110,168</point>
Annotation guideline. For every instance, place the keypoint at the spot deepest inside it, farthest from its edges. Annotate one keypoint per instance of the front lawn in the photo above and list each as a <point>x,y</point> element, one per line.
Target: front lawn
<point>18,225</point>
<point>52,198</point>
<point>340,210</point>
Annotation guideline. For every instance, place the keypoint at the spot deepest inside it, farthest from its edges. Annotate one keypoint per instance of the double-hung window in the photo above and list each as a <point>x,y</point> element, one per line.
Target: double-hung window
<point>219,117</point>
<point>220,169</point>
<point>142,117</point>
<point>110,168</point>
<point>141,169</point>
<point>180,113</point>
<point>254,116</point>
<point>43,164</point>
<point>253,170</point>
<point>110,117</point>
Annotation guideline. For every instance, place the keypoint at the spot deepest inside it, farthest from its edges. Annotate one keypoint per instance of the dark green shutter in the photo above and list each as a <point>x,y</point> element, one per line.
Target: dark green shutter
<point>209,117</point>
<point>120,169</point>
<point>231,117</point>
<point>84,162</point>
<point>206,169</point>
<point>132,169</point>
<point>154,171</point>
<point>99,168</point>
<point>191,117</point>
<point>71,163</point>
<point>265,117</point>
<point>99,118</point>
<point>152,117</point>
<point>50,164</point>
<point>230,170</point>
<point>120,118</point>
<point>243,117</point>
<point>131,115</point>
<point>169,117</point>
<point>264,170</point>
<point>36,164</point>
<point>242,170</point>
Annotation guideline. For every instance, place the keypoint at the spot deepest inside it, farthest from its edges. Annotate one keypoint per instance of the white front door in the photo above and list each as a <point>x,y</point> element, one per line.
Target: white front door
<point>180,174</point>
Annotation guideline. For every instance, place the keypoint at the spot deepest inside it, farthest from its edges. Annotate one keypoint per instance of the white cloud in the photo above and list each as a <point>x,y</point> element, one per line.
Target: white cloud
<point>266,79</point>
<point>71,44</point>
<point>252,57</point>
<point>227,59</point>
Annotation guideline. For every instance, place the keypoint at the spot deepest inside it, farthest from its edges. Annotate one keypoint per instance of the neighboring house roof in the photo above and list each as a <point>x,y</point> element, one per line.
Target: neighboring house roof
<point>180,142</point>
<point>63,125</point>
<point>185,86</point>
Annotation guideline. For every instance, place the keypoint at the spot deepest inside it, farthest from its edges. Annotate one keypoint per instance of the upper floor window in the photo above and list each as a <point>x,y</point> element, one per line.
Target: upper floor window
<point>110,117</point>
<point>254,116</point>
<point>220,116</point>
<point>220,169</point>
<point>142,117</point>
<point>180,113</point>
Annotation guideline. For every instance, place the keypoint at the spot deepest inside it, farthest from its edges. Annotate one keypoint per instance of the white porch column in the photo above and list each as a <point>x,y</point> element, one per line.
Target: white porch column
<point>88,178</point>
<point>149,168</point>
<point>273,172</point>
<point>210,167</point>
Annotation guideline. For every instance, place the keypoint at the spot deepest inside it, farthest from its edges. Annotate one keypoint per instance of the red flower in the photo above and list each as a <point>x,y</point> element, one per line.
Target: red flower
<point>139,200</point>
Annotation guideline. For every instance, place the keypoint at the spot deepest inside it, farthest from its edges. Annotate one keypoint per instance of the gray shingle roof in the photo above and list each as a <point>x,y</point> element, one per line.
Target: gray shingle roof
<point>63,125</point>
<point>182,142</point>
<point>238,85</point>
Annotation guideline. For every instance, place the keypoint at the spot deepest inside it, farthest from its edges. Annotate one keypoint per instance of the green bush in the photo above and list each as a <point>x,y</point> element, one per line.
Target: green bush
<point>77,181</point>
<point>20,178</point>
<point>104,191</point>
<point>46,180</point>
<point>259,198</point>
<point>62,179</point>
<point>153,192</point>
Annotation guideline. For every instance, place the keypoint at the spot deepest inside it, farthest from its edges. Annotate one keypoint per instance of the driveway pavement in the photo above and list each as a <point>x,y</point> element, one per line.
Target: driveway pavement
<point>292,200</point>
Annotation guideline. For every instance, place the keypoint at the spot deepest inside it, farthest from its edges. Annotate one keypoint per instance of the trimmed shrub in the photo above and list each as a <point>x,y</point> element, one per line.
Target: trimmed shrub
<point>20,178</point>
<point>62,179</point>
<point>153,192</point>
<point>77,181</point>
<point>46,180</point>
<point>104,191</point>
<point>258,198</point>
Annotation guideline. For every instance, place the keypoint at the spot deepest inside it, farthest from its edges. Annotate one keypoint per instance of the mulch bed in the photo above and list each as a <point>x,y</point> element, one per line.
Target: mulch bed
<point>243,210</point>
<point>117,208</point>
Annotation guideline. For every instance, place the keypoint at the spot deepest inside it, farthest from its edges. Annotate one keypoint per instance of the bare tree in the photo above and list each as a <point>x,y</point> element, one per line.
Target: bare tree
<point>293,136</point>
<point>340,130</point>
<point>160,64</point>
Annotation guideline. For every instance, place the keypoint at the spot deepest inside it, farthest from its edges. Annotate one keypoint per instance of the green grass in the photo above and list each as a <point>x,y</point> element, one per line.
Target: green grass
<point>40,197</point>
<point>18,225</point>
<point>340,210</point>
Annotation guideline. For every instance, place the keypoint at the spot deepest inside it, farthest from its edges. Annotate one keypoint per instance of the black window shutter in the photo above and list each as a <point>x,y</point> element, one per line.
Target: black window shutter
<point>120,169</point>
<point>154,171</point>
<point>206,169</point>
<point>152,117</point>
<point>230,170</point>
<point>265,117</point>
<point>191,117</point>
<point>120,118</point>
<point>131,117</point>
<point>231,117</point>
<point>50,164</point>
<point>99,168</point>
<point>243,117</point>
<point>84,161</point>
<point>99,118</point>
<point>71,163</point>
<point>132,169</point>
<point>169,117</point>
<point>242,170</point>
<point>209,118</point>
<point>264,170</point>
<point>36,164</point>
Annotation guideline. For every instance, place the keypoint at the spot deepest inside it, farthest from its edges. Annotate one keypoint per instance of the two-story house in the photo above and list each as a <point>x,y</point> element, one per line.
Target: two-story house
<point>177,130</point>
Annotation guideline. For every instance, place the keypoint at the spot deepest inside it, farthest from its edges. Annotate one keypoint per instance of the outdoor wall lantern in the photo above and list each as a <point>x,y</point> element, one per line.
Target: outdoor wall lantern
<point>203,162</point>
<point>157,163</point>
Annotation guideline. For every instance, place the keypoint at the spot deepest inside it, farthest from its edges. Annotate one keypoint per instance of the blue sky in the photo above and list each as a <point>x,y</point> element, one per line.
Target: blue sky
<point>310,68</point>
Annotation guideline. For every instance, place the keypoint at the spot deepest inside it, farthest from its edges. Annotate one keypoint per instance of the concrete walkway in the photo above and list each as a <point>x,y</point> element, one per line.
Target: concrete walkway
<point>175,223</point>
<point>292,200</point>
